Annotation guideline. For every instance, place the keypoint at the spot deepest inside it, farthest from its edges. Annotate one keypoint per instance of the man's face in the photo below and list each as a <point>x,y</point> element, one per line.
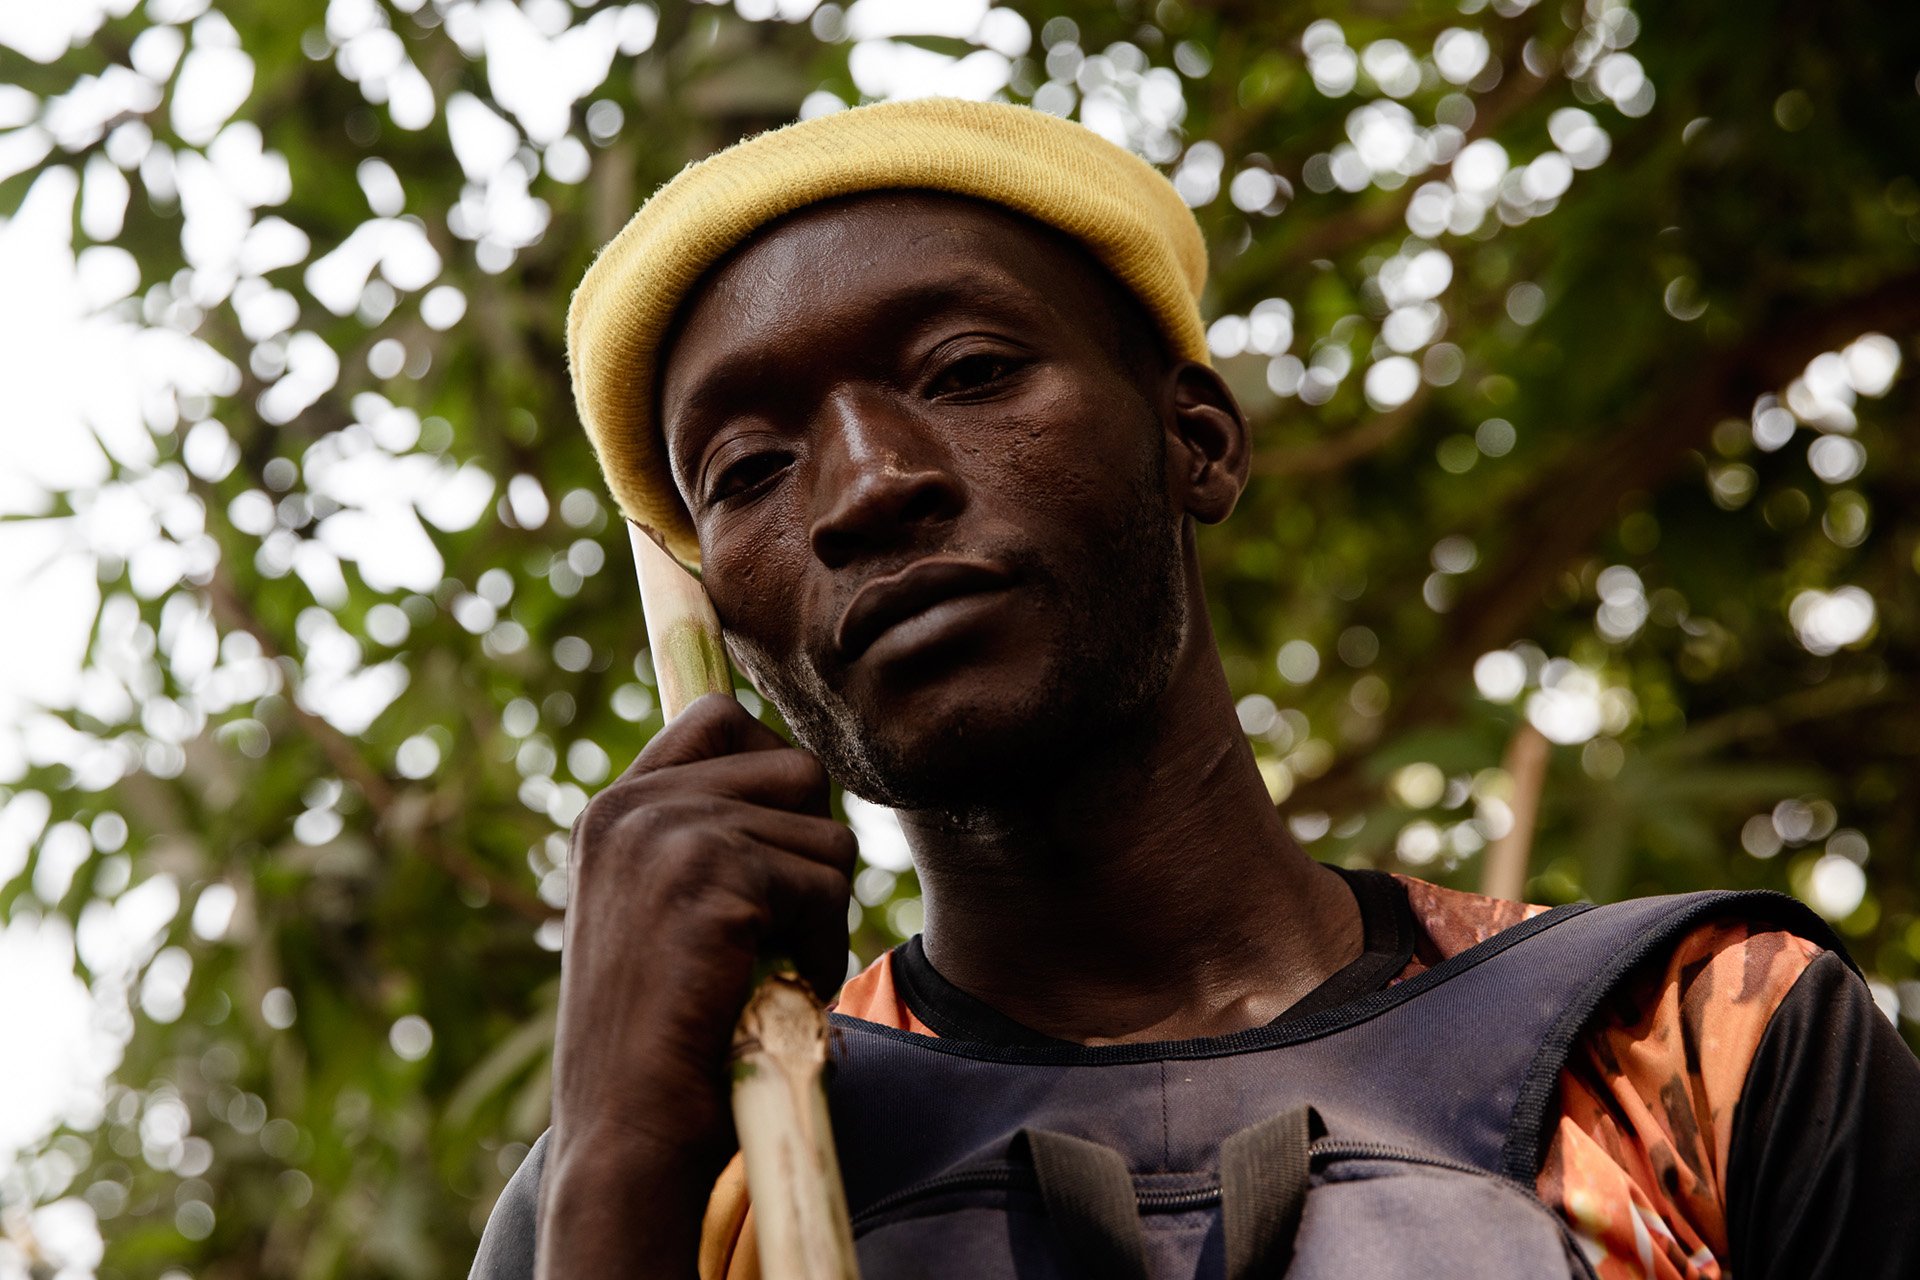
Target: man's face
<point>931,502</point>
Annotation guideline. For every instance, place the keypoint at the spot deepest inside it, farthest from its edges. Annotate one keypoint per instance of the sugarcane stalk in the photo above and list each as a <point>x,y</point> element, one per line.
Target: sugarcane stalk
<point>780,1042</point>
<point>683,631</point>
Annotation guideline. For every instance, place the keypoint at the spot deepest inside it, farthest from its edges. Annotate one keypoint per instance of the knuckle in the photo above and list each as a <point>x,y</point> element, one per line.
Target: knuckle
<point>712,706</point>
<point>601,815</point>
<point>615,805</point>
<point>689,859</point>
<point>680,851</point>
<point>586,842</point>
<point>610,830</point>
<point>717,910</point>
<point>740,923</point>
<point>705,810</point>
<point>664,818</point>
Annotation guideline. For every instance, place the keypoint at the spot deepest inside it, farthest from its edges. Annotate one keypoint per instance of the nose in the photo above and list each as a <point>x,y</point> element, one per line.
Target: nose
<point>883,478</point>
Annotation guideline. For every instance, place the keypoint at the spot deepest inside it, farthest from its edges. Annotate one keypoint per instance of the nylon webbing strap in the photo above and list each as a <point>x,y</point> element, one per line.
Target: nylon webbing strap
<point>1263,1187</point>
<point>1089,1198</point>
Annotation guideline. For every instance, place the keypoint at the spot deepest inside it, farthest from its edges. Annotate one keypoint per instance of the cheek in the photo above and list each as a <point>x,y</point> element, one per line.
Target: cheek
<point>1071,450</point>
<point>750,570</point>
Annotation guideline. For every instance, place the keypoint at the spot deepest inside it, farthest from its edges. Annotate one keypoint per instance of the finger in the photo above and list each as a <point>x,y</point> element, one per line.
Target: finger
<point>769,899</point>
<point>816,839</point>
<point>789,779</point>
<point>825,841</point>
<point>810,904</point>
<point>713,725</point>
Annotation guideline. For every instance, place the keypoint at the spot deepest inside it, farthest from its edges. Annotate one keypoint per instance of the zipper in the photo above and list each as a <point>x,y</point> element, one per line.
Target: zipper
<point>1326,1150</point>
<point>1165,1201</point>
<point>965,1180</point>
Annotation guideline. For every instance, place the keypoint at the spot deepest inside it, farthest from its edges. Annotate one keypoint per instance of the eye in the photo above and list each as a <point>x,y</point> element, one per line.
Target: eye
<point>974,372</point>
<point>746,474</point>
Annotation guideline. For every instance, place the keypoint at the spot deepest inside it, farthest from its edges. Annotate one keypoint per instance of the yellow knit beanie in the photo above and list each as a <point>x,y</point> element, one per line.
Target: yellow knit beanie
<point>1053,170</point>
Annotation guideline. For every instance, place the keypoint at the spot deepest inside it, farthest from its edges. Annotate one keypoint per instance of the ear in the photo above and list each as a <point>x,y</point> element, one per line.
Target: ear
<point>1209,452</point>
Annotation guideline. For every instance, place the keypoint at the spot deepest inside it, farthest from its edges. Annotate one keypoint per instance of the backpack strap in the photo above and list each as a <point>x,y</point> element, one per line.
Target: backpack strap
<point>1089,1198</point>
<point>1637,931</point>
<point>1263,1188</point>
<point>1264,1171</point>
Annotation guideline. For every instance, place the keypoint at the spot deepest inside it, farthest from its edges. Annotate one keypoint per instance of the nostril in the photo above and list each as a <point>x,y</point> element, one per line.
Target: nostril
<point>834,547</point>
<point>927,501</point>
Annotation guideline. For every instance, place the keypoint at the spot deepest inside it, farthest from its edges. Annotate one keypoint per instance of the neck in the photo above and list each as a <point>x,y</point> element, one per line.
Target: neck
<point>1151,892</point>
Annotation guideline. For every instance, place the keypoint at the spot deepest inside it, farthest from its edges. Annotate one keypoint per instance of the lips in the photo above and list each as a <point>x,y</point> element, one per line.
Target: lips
<point>887,601</point>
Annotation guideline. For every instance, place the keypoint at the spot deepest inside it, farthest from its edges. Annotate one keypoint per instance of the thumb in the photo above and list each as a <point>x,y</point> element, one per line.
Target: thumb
<point>713,725</point>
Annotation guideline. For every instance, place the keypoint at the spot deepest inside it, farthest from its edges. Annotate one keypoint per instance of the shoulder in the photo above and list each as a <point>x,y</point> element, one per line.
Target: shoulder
<point>1703,1005</point>
<point>1639,1155</point>
<point>1639,1159</point>
<point>1735,1104</point>
<point>1822,1168</point>
<point>1450,921</point>
<point>1727,971</point>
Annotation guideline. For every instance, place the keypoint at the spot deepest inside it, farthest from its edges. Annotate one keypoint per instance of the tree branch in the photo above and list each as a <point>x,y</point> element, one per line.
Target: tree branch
<point>1829,698</point>
<point>1503,873</point>
<point>1570,505</point>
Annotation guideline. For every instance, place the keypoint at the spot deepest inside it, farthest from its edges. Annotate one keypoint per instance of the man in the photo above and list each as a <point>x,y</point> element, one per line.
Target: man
<point>921,387</point>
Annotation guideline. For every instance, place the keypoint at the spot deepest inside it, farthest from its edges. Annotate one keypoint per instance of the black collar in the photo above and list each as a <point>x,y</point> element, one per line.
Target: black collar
<point>1387,925</point>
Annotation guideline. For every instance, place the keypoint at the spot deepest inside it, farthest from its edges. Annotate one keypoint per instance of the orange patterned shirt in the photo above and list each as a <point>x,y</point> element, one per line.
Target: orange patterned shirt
<point>1638,1157</point>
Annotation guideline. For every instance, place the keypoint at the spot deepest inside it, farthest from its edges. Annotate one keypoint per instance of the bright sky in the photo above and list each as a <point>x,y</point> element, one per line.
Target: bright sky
<point>47,581</point>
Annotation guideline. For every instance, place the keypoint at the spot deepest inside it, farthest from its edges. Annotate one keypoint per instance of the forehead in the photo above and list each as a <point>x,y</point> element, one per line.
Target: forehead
<point>879,239</point>
<point>872,265</point>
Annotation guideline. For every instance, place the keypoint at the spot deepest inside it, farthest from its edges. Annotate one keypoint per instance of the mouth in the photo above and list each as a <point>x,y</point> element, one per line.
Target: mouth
<point>888,601</point>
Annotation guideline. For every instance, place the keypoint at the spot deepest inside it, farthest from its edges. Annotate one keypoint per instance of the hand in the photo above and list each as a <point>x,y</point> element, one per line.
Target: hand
<point>714,849</point>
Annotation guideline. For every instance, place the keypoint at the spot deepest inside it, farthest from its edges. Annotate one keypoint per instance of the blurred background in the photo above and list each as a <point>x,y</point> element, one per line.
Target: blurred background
<point>1579,337</point>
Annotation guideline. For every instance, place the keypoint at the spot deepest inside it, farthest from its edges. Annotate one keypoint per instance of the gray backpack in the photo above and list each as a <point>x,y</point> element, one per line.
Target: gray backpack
<point>1398,1135</point>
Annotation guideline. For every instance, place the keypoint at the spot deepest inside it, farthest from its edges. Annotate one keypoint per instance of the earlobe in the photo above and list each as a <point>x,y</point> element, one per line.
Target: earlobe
<point>1209,449</point>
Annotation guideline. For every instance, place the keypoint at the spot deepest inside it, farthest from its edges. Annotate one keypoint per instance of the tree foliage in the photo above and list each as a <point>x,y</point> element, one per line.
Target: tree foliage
<point>1578,339</point>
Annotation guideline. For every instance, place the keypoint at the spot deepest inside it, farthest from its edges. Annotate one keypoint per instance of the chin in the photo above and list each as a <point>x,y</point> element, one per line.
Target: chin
<point>974,733</point>
<point>993,738</point>
<point>964,757</point>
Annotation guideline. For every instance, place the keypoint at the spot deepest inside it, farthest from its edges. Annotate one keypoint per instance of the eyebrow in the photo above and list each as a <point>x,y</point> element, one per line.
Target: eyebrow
<point>742,378</point>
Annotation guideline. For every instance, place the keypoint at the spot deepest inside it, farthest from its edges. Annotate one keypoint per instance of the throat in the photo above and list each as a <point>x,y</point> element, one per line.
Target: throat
<point>1069,999</point>
<point>1135,916</point>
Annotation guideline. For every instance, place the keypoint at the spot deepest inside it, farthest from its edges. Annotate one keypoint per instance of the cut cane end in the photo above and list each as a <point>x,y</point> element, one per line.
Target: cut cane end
<point>782,1023</point>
